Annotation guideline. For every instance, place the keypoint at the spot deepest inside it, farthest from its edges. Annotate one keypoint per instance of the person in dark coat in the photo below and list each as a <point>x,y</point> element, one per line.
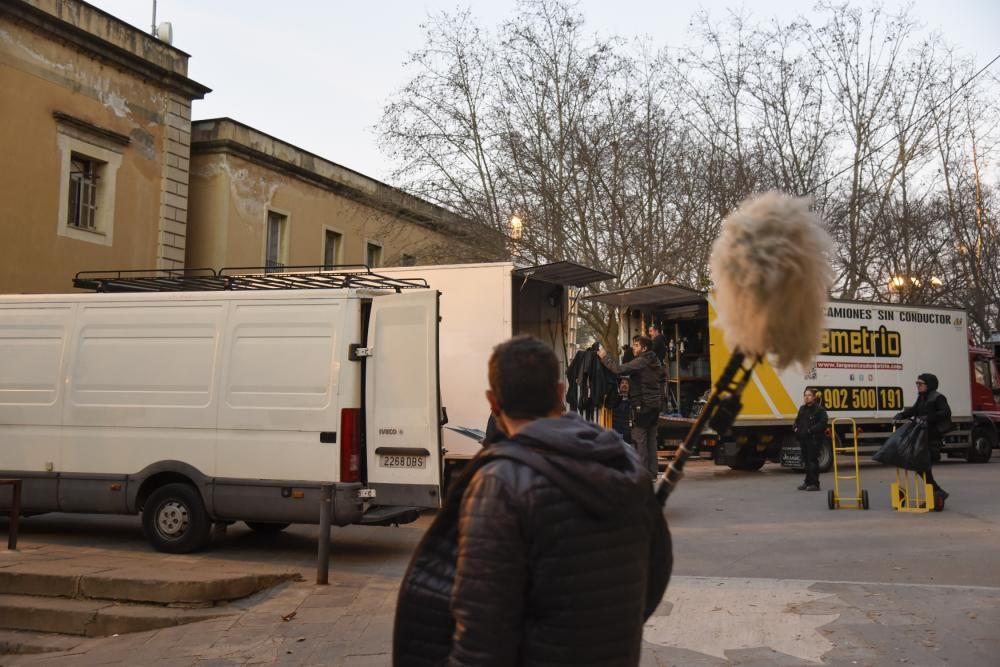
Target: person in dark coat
<point>659,343</point>
<point>645,397</point>
<point>933,407</point>
<point>621,416</point>
<point>810,427</point>
<point>551,549</point>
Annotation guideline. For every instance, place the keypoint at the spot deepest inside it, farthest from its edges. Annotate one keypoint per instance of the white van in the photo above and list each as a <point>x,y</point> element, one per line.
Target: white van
<point>223,398</point>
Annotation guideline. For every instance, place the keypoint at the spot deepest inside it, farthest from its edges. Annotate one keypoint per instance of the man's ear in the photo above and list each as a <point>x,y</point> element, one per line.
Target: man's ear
<point>494,404</point>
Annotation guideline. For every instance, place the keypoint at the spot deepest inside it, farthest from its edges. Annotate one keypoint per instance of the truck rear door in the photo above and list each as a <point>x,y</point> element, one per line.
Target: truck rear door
<point>403,400</point>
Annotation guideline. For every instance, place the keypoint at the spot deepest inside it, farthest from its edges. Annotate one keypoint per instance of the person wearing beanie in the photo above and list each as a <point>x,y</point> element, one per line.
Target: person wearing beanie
<point>932,406</point>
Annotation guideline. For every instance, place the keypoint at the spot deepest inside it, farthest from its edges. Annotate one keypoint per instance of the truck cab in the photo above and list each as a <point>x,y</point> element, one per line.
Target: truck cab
<point>984,385</point>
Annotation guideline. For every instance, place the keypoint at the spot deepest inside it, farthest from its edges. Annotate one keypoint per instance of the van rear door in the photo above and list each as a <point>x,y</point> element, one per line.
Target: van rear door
<point>403,400</point>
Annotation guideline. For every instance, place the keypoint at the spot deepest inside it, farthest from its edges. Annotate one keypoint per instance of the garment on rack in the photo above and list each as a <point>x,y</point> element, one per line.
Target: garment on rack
<point>589,384</point>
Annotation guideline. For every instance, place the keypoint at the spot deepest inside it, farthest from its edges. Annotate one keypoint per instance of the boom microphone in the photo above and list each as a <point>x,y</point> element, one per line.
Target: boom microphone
<point>771,276</point>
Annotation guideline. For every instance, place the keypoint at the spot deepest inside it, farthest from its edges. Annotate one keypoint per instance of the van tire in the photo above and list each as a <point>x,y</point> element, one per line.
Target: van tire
<point>981,444</point>
<point>266,527</point>
<point>175,521</point>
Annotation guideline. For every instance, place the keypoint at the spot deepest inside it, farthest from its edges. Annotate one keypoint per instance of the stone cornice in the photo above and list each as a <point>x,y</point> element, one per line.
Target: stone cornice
<point>90,128</point>
<point>42,21</point>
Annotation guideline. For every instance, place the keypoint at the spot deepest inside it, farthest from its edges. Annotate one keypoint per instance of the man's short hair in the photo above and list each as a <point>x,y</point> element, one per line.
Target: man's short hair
<point>644,342</point>
<point>656,328</point>
<point>524,377</point>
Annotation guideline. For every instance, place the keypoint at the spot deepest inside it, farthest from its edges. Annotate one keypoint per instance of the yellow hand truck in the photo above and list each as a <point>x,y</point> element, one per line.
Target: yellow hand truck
<point>860,498</point>
<point>906,491</point>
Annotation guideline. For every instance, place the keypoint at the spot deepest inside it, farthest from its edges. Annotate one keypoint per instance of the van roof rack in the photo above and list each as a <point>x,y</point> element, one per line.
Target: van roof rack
<point>242,278</point>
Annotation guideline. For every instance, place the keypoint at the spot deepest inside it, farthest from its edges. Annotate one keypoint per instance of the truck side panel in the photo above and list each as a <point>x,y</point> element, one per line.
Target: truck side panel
<point>871,357</point>
<point>280,373</point>
<point>141,386</point>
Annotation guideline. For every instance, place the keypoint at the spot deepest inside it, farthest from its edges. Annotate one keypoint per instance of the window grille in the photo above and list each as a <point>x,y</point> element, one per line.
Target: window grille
<point>83,193</point>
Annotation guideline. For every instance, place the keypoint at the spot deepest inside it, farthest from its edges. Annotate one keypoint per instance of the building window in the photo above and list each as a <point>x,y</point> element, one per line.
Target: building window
<point>331,247</point>
<point>87,188</point>
<point>373,254</point>
<point>407,259</point>
<point>83,176</point>
<point>275,241</point>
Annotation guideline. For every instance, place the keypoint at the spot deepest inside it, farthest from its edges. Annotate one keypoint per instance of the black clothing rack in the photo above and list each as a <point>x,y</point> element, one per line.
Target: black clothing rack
<point>356,276</point>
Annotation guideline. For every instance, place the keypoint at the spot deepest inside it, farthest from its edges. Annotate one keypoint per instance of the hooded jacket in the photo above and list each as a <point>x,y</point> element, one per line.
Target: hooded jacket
<point>550,550</point>
<point>933,407</point>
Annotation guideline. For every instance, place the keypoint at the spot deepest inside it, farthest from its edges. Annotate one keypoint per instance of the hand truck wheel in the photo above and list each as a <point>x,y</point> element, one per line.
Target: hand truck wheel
<point>830,500</point>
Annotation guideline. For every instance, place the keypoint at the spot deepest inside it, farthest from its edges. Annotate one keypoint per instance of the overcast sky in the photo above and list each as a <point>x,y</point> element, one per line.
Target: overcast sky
<point>317,73</point>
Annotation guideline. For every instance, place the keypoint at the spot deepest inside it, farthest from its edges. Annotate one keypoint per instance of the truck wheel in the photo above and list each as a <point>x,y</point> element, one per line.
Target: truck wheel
<point>825,457</point>
<point>982,444</point>
<point>747,462</point>
<point>174,519</point>
<point>831,502</point>
<point>266,527</point>
<point>864,499</point>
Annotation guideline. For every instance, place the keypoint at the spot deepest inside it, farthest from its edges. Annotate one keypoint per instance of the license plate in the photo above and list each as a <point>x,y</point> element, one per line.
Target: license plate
<point>397,461</point>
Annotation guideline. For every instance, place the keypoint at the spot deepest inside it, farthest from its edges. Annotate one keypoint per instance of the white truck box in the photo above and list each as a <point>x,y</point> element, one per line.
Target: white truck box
<point>483,305</point>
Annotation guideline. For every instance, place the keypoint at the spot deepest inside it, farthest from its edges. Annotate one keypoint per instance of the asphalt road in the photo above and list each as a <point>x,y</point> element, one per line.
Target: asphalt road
<point>764,574</point>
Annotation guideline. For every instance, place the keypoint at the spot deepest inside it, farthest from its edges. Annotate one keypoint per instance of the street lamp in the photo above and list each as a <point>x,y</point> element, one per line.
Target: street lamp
<point>516,227</point>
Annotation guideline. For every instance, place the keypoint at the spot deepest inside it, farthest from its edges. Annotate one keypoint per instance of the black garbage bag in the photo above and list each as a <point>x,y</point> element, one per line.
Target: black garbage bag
<point>907,447</point>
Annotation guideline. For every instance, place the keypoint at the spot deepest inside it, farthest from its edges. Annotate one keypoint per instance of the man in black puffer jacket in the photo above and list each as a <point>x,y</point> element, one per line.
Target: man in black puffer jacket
<point>550,550</point>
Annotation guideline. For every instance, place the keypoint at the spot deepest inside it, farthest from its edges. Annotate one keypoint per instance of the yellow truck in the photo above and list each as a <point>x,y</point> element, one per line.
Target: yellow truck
<point>871,354</point>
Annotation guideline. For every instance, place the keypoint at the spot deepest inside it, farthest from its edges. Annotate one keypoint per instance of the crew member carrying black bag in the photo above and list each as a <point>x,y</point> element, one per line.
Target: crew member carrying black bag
<point>932,407</point>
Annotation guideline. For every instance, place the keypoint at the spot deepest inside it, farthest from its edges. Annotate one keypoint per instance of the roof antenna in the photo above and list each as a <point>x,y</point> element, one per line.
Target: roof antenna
<point>152,29</point>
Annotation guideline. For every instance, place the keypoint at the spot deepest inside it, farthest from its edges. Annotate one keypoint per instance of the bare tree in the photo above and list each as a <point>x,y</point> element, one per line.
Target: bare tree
<point>625,157</point>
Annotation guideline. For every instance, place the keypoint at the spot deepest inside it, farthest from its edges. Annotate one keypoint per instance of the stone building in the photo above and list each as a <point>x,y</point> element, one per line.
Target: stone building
<point>257,201</point>
<point>104,171</point>
<point>95,137</point>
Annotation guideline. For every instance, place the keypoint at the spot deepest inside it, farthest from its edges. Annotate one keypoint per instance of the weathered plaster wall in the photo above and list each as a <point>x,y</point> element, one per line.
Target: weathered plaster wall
<point>230,200</point>
<point>47,67</point>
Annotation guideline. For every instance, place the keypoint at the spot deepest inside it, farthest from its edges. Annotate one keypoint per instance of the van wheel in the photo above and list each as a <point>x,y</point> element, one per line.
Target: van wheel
<point>981,447</point>
<point>266,527</point>
<point>175,521</point>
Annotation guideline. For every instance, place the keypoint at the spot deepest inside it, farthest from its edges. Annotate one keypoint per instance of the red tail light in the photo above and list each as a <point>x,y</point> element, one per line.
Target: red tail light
<point>350,444</point>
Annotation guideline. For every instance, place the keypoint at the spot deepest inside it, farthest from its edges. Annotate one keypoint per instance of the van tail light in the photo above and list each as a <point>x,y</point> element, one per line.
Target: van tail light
<point>350,444</point>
